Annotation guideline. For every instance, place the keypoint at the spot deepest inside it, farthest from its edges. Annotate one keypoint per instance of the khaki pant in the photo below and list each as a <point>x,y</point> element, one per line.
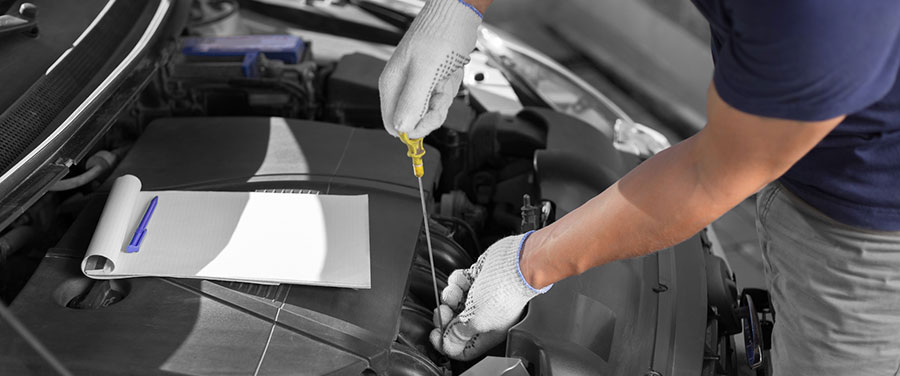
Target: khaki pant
<point>835,290</point>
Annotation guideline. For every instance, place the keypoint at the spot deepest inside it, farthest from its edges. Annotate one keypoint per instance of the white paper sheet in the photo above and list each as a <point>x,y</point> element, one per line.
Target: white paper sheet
<point>236,236</point>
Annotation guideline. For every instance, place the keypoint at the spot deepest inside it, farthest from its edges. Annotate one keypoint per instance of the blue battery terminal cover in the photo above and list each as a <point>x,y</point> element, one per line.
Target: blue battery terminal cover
<point>287,48</point>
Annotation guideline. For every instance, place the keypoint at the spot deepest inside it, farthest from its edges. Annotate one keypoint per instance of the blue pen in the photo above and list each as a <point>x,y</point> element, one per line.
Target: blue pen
<point>138,238</point>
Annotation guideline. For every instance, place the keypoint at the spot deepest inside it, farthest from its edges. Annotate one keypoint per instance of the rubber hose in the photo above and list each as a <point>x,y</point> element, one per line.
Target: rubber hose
<point>96,165</point>
<point>15,240</point>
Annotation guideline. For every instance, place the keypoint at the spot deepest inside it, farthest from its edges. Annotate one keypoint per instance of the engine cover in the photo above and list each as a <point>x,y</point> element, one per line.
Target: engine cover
<point>164,325</point>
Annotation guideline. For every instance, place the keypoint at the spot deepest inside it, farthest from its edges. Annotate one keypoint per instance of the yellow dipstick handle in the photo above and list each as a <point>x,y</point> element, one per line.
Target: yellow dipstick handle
<point>416,152</point>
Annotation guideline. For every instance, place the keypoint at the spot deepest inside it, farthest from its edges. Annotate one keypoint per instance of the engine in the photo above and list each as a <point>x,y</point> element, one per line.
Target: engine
<point>263,113</point>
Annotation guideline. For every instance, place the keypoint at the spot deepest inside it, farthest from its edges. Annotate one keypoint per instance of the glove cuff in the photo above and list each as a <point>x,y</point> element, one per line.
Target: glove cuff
<point>519,269</point>
<point>438,16</point>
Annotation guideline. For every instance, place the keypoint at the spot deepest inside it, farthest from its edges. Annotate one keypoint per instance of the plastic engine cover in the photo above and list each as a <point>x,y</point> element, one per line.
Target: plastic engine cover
<point>629,317</point>
<point>193,327</point>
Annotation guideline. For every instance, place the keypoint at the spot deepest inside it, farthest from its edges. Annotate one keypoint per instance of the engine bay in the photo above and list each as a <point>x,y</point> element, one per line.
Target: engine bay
<point>262,112</point>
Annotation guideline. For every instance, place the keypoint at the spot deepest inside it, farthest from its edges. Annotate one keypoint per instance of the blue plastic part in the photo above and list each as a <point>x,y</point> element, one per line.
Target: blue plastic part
<point>248,65</point>
<point>287,48</point>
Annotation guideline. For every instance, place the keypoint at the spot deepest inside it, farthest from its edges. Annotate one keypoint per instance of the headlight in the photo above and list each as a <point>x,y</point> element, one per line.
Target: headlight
<point>564,92</point>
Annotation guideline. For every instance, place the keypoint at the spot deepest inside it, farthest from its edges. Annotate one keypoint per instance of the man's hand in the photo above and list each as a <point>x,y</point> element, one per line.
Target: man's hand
<point>658,204</point>
<point>487,299</point>
<point>423,75</point>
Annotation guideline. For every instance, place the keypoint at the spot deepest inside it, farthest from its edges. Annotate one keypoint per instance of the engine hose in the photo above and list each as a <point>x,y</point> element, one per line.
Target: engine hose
<point>448,254</point>
<point>415,326</point>
<point>96,165</point>
<point>402,339</point>
<point>467,227</point>
<point>15,240</point>
<point>78,181</point>
<point>407,361</point>
<point>421,289</point>
<point>416,315</point>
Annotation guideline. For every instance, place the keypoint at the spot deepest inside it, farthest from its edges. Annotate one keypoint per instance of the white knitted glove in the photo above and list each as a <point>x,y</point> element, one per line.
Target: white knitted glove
<point>491,295</point>
<point>423,75</point>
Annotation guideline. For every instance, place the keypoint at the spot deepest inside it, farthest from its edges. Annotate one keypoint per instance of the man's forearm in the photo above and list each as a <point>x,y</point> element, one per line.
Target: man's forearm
<point>662,202</point>
<point>674,194</point>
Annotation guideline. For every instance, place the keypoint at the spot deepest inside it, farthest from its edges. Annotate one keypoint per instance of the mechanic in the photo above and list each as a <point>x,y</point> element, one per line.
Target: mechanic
<point>805,92</point>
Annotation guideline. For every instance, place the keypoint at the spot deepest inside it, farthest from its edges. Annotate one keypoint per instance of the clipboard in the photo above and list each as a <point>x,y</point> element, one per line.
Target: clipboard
<point>255,237</point>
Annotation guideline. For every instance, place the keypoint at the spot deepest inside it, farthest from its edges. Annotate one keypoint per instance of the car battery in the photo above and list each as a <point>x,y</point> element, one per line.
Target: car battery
<point>237,56</point>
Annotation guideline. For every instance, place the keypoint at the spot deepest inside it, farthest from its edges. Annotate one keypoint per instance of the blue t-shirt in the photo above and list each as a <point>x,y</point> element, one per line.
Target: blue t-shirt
<point>813,60</point>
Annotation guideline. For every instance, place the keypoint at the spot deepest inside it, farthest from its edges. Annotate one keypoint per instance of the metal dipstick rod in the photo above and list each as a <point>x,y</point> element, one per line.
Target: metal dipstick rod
<point>437,298</point>
<point>416,152</point>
